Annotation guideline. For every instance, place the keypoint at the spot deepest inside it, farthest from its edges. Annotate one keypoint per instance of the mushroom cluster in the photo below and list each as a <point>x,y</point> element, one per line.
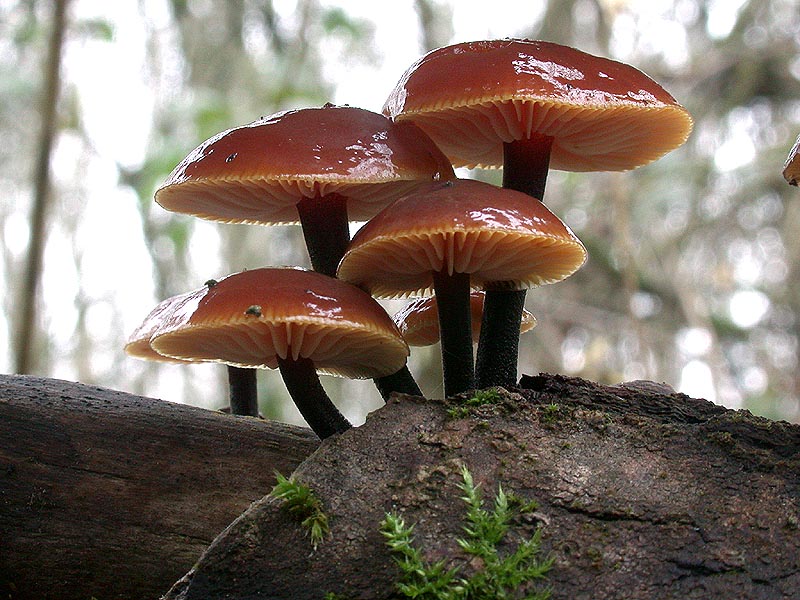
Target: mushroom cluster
<point>526,106</point>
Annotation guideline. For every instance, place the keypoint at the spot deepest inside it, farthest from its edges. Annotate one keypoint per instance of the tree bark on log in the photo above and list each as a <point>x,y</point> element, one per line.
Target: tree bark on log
<point>642,493</point>
<point>113,496</point>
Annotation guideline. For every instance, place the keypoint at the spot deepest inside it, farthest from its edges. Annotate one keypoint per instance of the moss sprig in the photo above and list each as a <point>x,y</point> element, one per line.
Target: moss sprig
<point>502,575</point>
<point>299,501</point>
<point>480,398</point>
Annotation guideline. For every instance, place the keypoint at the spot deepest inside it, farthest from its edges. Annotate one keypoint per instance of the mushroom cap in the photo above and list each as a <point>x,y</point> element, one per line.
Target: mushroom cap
<point>603,115</point>
<point>418,320</point>
<point>257,173</point>
<point>138,344</point>
<point>250,318</point>
<point>503,238</point>
<point>791,168</point>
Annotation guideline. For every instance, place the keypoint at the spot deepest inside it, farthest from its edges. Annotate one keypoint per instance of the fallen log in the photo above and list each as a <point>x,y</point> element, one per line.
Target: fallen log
<point>641,493</point>
<point>112,496</point>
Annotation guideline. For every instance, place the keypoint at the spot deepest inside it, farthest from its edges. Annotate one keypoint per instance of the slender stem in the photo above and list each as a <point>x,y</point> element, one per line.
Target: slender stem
<point>497,359</point>
<point>525,167</point>
<point>326,230</point>
<point>455,325</point>
<point>327,233</point>
<point>302,381</point>
<point>243,391</point>
<point>402,382</point>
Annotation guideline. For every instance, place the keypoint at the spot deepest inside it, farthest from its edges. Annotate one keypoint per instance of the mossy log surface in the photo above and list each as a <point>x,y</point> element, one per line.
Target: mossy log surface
<point>642,493</point>
<point>111,496</point>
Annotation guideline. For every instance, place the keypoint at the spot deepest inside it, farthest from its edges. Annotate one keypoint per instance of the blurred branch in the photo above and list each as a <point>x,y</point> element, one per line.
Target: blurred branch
<point>24,355</point>
<point>436,23</point>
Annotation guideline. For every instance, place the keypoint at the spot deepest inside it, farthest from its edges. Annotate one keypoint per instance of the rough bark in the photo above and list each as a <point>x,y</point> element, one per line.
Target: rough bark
<point>642,493</point>
<point>113,496</point>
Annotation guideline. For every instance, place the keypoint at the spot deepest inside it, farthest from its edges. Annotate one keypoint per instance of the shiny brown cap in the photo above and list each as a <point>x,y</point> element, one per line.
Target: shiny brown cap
<point>418,320</point>
<point>603,115</point>
<point>258,172</point>
<point>248,319</point>
<point>501,237</point>
<point>791,168</point>
<point>138,344</point>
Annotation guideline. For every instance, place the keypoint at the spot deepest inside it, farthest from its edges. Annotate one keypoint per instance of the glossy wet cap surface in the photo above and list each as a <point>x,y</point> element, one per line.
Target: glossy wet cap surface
<point>249,318</point>
<point>501,237</point>
<point>791,168</point>
<point>257,173</point>
<point>602,114</point>
<point>138,344</point>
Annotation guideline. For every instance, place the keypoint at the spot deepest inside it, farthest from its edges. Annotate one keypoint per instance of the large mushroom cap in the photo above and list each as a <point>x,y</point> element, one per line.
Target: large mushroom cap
<point>257,173</point>
<point>249,319</point>
<point>603,115</point>
<point>499,236</point>
<point>418,320</point>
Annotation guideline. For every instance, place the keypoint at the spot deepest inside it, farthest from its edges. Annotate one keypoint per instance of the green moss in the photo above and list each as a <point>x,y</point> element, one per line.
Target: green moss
<point>550,414</point>
<point>481,398</point>
<point>299,501</point>
<point>500,575</point>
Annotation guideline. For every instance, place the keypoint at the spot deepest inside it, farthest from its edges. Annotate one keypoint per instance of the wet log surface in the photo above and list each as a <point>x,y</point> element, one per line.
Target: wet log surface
<point>642,493</point>
<point>113,496</point>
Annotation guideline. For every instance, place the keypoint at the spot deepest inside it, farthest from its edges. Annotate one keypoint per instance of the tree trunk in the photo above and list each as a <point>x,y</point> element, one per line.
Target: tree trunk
<point>25,351</point>
<point>641,492</point>
<point>113,496</point>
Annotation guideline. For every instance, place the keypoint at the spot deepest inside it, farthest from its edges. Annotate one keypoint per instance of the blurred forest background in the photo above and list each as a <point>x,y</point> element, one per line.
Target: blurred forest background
<point>694,259</point>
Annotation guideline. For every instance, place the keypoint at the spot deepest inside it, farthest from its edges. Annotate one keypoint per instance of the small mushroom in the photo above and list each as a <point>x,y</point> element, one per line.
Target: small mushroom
<point>454,236</point>
<point>791,168</point>
<point>242,384</point>
<point>529,106</point>
<point>418,320</point>
<point>300,322</point>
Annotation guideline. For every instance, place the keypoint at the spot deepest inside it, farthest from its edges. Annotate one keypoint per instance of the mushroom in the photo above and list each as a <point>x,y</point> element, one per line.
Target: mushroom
<point>418,320</point>
<point>453,236</point>
<point>298,321</point>
<point>791,168</point>
<point>242,384</point>
<point>316,166</point>
<point>528,106</point>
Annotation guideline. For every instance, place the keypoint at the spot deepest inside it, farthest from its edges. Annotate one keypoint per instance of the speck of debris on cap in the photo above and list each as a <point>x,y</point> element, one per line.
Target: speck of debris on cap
<point>254,310</point>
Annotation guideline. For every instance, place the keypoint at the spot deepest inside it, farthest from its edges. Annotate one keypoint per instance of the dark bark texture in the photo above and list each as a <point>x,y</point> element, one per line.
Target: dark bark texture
<point>111,496</point>
<point>642,493</point>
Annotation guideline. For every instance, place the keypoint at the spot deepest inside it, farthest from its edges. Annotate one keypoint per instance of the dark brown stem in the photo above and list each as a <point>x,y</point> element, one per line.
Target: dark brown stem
<point>455,326</point>
<point>496,363</point>
<point>326,230</point>
<point>327,233</point>
<point>311,399</point>
<point>402,382</point>
<point>526,164</point>
<point>243,391</point>
<point>525,167</point>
